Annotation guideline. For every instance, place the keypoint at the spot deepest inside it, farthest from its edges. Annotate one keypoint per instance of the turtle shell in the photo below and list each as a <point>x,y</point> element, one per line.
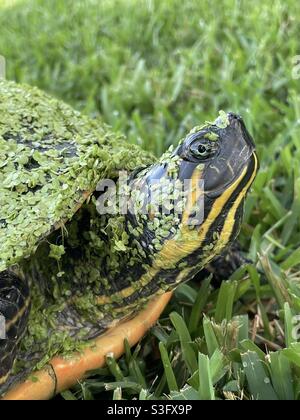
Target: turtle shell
<point>62,373</point>
<point>51,159</point>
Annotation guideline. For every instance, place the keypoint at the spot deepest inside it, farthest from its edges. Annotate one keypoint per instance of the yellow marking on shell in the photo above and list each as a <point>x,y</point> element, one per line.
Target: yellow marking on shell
<point>18,315</point>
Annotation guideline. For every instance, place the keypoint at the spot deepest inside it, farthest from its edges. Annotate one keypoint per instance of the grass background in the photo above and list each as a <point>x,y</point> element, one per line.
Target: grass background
<point>153,69</point>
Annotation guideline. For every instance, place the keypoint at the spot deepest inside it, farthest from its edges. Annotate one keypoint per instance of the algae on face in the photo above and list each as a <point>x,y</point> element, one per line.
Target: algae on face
<point>222,121</point>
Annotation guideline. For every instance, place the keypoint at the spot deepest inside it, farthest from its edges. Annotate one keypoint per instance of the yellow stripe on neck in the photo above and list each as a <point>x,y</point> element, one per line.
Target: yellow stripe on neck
<point>230,219</point>
<point>189,241</point>
<point>227,227</point>
<point>195,194</point>
<point>175,250</point>
<point>18,316</point>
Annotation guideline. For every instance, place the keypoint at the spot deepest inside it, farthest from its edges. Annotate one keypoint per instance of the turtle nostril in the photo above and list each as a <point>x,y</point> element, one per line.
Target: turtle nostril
<point>232,116</point>
<point>235,120</point>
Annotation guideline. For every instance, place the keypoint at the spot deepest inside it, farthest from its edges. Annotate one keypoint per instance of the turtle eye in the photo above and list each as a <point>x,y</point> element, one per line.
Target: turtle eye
<point>202,149</point>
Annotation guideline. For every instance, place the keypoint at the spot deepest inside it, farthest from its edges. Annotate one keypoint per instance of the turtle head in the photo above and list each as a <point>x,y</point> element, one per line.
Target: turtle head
<point>219,152</point>
<point>193,198</point>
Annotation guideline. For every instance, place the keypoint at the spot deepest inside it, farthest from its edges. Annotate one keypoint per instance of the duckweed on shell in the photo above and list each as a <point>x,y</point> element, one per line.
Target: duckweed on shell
<point>52,158</point>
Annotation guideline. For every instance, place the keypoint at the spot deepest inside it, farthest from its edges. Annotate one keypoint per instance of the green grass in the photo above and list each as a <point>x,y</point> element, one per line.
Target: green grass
<point>153,69</point>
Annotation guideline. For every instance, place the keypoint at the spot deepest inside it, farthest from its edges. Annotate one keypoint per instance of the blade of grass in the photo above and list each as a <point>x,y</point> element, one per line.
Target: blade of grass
<point>225,301</point>
<point>281,375</point>
<point>188,352</point>
<point>292,260</point>
<point>114,367</point>
<point>68,396</point>
<point>258,380</point>
<point>288,324</point>
<point>186,393</point>
<point>248,345</point>
<point>117,395</point>
<point>217,365</point>
<point>206,389</point>
<point>199,304</point>
<point>210,336</point>
<point>293,354</point>
<point>172,384</point>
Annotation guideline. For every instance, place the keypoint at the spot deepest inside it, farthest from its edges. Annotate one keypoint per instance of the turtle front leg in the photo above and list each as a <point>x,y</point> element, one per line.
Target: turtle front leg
<point>14,311</point>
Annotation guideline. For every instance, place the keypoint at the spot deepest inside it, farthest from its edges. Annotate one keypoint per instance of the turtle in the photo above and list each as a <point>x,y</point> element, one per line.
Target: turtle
<point>95,232</point>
